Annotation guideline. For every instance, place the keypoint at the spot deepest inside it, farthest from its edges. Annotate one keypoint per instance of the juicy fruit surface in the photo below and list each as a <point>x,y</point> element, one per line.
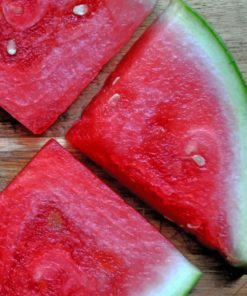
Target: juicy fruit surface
<point>64,232</point>
<point>58,52</point>
<point>163,125</point>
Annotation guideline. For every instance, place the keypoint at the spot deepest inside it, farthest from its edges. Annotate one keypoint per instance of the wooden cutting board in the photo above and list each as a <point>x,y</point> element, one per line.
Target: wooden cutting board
<point>17,146</point>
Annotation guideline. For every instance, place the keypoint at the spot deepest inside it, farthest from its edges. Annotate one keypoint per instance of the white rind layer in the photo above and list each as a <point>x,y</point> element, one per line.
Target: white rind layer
<point>178,279</point>
<point>234,93</point>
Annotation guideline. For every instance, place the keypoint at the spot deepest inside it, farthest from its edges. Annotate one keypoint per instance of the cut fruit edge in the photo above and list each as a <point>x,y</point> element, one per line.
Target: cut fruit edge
<point>179,283</point>
<point>66,99</point>
<point>233,84</point>
<point>176,267</point>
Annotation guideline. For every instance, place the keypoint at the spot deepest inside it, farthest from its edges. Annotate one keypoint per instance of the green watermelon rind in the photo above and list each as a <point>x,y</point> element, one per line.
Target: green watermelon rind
<point>194,281</point>
<point>207,39</point>
<point>181,279</point>
<point>183,285</point>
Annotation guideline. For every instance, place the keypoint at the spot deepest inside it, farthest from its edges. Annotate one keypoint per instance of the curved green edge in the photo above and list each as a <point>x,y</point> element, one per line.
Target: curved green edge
<point>217,38</point>
<point>179,279</point>
<point>211,44</point>
<point>182,286</point>
<point>185,286</point>
<point>193,283</point>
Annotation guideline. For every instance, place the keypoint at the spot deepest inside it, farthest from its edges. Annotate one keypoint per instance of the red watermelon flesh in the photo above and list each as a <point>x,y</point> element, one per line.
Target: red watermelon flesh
<point>50,50</point>
<point>171,124</point>
<point>64,232</point>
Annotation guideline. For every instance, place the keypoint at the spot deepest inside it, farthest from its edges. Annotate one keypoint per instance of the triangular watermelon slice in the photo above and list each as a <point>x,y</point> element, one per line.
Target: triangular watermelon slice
<point>51,50</point>
<point>64,232</point>
<point>171,124</point>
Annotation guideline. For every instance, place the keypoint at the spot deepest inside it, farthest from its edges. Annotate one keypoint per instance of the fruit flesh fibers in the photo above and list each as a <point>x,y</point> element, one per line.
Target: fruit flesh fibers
<point>58,53</point>
<point>171,125</point>
<point>64,232</point>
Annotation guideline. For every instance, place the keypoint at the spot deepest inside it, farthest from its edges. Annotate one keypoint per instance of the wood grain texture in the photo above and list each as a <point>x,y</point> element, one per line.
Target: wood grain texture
<point>17,146</point>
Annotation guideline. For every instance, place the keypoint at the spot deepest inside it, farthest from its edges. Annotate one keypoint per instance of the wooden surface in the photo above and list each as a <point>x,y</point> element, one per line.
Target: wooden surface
<point>17,146</point>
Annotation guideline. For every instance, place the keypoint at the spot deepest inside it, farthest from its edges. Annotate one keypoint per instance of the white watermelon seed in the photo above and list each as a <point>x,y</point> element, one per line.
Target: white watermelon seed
<point>114,99</point>
<point>191,226</point>
<point>11,47</point>
<point>80,10</point>
<point>191,147</point>
<point>199,160</point>
<point>115,80</point>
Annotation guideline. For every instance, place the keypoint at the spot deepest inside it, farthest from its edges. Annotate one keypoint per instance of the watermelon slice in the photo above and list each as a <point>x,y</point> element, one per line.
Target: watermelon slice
<point>50,50</point>
<point>171,124</point>
<point>64,232</point>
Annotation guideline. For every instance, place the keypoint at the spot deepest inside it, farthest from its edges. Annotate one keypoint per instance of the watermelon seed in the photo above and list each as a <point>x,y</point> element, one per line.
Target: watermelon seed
<point>199,160</point>
<point>80,10</point>
<point>11,47</point>
<point>191,226</point>
<point>115,80</point>
<point>114,99</point>
<point>190,148</point>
